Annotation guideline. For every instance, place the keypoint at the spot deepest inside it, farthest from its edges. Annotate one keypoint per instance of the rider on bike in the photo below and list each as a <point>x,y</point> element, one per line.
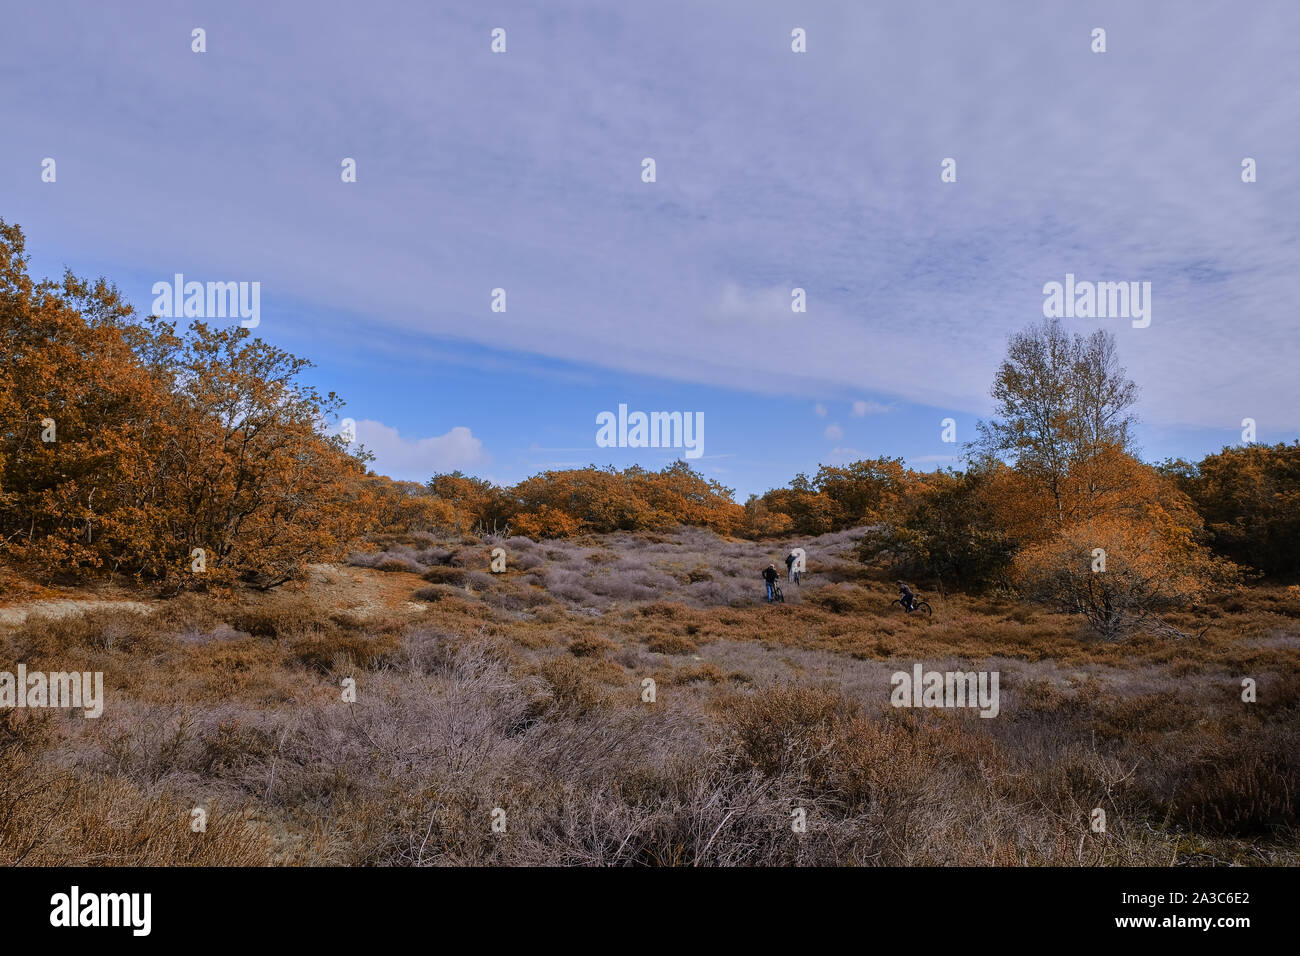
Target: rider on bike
<point>906,596</point>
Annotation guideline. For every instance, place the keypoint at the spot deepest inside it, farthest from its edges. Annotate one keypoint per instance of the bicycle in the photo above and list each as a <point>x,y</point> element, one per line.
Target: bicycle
<point>919,606</point>
<point>778,596</point>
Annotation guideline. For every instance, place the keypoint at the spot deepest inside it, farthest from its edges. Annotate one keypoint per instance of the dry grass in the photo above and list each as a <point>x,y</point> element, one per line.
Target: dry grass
<point>524,692</point>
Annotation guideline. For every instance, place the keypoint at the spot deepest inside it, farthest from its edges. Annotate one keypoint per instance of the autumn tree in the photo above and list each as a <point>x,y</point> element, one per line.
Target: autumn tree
<point>602,500</point>
<point>864,491</point>
<point>1131,549</point>
<point>248,473</point>
<point>1120,574</point>
<point>402,507</point>
<point>678,494</point>
<point>1249,498</point>
<point>127,448</point>
<point>477,502</point>
<point>79,414</point>
<point>1060,399</point>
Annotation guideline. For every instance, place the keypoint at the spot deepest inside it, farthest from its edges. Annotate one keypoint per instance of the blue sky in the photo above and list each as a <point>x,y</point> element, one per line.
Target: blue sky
<point>774,170</point>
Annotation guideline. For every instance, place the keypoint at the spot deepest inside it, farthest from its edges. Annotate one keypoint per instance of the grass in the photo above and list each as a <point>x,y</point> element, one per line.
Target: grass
<point>529,692</point>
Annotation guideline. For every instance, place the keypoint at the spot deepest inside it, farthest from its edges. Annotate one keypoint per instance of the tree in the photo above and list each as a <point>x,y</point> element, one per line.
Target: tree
<point>77,411</point>
<point>1130,550</point>
<point>125,447</point>
<point>247,473</point>
<point>945,529</point>
<point>1060,399</point>
<point>1249,498</point>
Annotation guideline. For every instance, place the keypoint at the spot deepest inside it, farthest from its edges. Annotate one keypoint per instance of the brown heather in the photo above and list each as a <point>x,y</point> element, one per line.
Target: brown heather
<point>501,694</point>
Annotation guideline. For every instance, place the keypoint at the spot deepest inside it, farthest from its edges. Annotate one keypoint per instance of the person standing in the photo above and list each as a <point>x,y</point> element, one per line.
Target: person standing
<point>770,574</point>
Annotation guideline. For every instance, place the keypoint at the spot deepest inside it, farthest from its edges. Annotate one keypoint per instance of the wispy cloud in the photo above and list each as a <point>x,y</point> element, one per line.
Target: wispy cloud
<point>862,409</point>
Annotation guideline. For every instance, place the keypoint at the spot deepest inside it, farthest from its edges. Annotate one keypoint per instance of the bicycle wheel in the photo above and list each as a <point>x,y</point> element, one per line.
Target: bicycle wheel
<point>780,596</point>
<point>897,603</point>
<point>924,606</point>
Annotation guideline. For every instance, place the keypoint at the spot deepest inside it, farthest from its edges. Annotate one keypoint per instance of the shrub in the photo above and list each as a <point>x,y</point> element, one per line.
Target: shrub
<point>454,577</point>
<point>671,644</point>
<point>590,645</point>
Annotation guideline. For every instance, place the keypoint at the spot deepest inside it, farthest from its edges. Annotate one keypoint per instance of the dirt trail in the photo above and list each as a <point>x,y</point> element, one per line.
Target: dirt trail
<point>67,607</point>
<point>364,591</point>
<point>360,591</point>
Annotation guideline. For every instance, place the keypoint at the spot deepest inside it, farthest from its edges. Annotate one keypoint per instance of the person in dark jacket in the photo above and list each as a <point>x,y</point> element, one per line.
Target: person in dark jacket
<point>906,596</point>
<point>770,574</point>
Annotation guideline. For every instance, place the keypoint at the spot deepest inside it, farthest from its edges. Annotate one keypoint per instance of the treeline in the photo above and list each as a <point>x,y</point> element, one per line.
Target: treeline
<point>959,528</point>
<point>593,500</point>
<point>560,504</point>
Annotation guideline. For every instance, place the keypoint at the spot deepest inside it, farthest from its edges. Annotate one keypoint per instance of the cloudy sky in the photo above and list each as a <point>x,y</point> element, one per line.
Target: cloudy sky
<point>775,170</point>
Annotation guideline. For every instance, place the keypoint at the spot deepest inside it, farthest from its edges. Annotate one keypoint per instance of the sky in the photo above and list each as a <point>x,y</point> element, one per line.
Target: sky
<point>774,170</point>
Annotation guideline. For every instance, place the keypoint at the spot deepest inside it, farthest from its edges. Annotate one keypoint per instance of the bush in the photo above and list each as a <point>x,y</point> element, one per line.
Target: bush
<point>1148,569</point>
<point>671,644</point>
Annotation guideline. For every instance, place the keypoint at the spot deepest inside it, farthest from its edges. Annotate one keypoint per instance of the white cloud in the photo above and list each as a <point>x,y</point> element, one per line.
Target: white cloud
<point>834,432</point>
<point>842,456</point>
<point>820,409</point>
<point>417,459</point>
<point>770,304</point>
<point>861,409</point>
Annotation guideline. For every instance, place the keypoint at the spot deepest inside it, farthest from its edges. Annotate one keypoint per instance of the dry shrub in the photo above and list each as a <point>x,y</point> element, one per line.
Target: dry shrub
<point>671,644</point>
<point>283,615</point>
<point>661,609</point>
<point>50,816</point>
<point>399,564</point>
<point>324,652</point>
<point>98,630</point>
<point>707,672</point>
<point>782,728</point>
<point>441,574</point>
<point>843,599</point>
<point>590,645</point>
<point>573,686</point>
<point>1241,787</point>
<point>437,592</point>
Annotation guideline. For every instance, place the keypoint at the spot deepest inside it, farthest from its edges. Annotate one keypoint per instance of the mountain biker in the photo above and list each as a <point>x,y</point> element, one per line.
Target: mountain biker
<point>906,596</point>
<point>789,566</point>
<point>770,575</point>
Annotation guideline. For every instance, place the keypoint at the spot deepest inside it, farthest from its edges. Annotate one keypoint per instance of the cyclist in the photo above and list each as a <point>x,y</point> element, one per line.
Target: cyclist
<point>906,596</point>
<point>770,575</point>
<point>789,567</point>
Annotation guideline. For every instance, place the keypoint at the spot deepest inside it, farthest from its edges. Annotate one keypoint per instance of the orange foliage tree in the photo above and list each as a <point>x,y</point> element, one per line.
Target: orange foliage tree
<point>837,497</point>
<point>127,448</point>
<point>601,500</point>
<point>1249,498</point>
<point>1120,573</point>
<point>1130,546</point>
